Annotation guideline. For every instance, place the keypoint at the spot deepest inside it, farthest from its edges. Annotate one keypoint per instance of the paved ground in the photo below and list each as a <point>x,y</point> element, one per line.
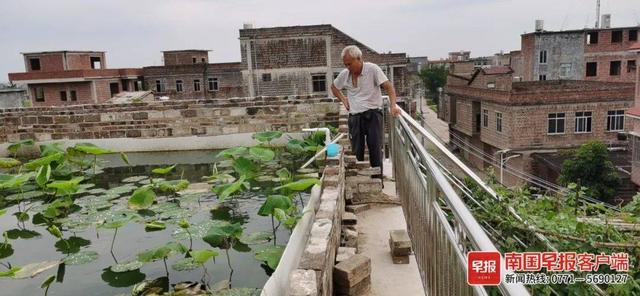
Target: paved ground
<point>374,225</point>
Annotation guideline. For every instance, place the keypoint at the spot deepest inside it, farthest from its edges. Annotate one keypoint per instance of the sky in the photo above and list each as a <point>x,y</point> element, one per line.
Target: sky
<point>133,33</point>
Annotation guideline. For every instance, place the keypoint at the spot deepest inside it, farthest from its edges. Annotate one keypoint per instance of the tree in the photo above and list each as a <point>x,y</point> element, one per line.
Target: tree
<point>433,78</point>
<point>590,165</point>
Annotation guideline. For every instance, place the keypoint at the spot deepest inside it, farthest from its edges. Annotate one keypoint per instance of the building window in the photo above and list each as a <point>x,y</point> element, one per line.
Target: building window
<point>203,60</point>
<point>565,70</point>
<point>583,122</point>
<point>35,64</point>
<point>96,63</point>
<point>543,57</point>
<point>616,36</point>
<point>592,38</point>
<point>491,85</point>
<point>266,77</point>
<point>319,82</point>
<point>592,69</point>
<point>498,121</point>
<point>614,69</point>
<point>542,77</point>
<point>213,84</point>
<point>615,120</point>
<point>196,84</point>
<point>485,118</point>
<point>39,94</point>
<point>159,86</point>
<point>179,85</point>
<point>63,96</point>
<point>73,95</point>
<point>631,66</point>
<point>195,60</point>
<point>556,123</point>
<point>633,35</point>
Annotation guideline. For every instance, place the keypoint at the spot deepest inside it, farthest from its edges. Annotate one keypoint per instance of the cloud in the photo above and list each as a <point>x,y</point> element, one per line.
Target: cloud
<point>134,32</point>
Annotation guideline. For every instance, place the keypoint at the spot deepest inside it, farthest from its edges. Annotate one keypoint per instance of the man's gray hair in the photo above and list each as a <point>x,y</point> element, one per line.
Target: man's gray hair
<point>353,51</point>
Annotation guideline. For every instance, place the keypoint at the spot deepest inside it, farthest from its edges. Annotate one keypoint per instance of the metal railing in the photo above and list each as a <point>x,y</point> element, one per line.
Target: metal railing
<point>441,227</point>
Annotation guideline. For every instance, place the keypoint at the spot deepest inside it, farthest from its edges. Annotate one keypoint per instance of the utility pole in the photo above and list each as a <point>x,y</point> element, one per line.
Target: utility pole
<point>598,14</point>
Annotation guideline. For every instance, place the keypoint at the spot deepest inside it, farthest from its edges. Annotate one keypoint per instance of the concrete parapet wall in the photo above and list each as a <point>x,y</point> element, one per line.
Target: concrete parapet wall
<point>167,119</point>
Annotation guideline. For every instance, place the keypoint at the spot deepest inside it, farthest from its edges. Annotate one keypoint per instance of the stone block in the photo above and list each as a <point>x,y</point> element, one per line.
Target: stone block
<point>361,165</point>
<point>360,289</point>
<point>345,253</point>
<point>349,219</point>
<point>331,171</point>
<point>400,259</point>
<point>356,209</point>
<point>302,283</point>
<point>348,273</point>
<point>399,242</point>
<point>331,181</point>
<point>327,209</point>
<point>349,237</point>
<point>369,171</point>
<point>317,250</point>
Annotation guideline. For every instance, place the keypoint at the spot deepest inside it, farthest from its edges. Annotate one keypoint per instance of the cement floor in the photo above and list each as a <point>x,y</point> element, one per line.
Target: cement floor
<point>374,226</point>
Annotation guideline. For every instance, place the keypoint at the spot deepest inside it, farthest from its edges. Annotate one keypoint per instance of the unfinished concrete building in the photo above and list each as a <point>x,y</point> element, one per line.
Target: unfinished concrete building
<point>303,60</point>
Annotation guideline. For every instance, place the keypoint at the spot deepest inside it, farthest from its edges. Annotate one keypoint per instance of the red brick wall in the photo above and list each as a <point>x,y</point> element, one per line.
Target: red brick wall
<point>604,65</point>
<point>185,58</point>
<point>604,42</point>
<point>80,61</point>
<point>48,62</point>
<point>52,93</point>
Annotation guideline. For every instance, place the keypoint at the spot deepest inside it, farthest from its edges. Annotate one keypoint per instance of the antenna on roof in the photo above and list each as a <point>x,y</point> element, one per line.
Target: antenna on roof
<point>598,14</point>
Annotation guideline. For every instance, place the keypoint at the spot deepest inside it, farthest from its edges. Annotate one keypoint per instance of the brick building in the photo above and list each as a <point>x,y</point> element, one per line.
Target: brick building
<point>586,54</point>
<point>634,115</point>
<point>489,115</point>
<point>302,60</point>
<point>73,77</point>
<point>187,74</point>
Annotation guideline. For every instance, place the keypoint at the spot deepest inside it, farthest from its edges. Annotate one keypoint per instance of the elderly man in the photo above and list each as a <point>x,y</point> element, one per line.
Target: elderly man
<point>362,81</point>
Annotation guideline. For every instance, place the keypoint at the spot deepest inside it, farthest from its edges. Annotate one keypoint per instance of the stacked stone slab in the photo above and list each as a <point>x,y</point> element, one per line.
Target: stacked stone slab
<point>352,277</point>
<point>324,239</point>
<point>400,246</point>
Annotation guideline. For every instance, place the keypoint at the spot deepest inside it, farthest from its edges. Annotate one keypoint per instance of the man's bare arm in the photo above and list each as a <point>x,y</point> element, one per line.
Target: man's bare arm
<point>393,108</point>
<point>336,92</point>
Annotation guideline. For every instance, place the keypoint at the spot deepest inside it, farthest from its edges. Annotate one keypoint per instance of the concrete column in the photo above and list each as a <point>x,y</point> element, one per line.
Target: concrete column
<point>94,92</point>
<point>391,74</point>
<point>247,44</point>
<point>637,98</point>
<point>329,75</point>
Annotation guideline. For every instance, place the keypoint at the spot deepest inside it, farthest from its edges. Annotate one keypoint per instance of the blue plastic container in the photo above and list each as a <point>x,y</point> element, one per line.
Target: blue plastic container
<point>333,149</point>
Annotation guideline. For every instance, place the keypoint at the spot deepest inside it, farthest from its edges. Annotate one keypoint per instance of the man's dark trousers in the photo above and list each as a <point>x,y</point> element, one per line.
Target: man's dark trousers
<point>367,127</point>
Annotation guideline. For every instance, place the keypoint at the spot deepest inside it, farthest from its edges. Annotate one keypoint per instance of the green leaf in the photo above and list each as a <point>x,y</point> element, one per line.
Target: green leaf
<point>66,187</point>
<point>163,171</point>
<point>21,216</point>
<point>168,250</point>
<point>71,245</point>
<point>263,154</point>
<point>172,186</point>
<point>125,158</point>
<point>33,269</point>
<point>226,190</point>
<point>55,231</point>
<point>49,149</point>
<point>218,235</point>
<point>14,147</point>
<point>185,264</point>
<point>245,167</point>
<point>142,198</point>
<point>34,164</point>
<point>46,283</point>
<point>183,223</point>
<point>135,179</point>
<point>92,149</point>
<point>257,238</point>
<point>15,181</point>
<point>267,136</point>
<point>274,202</point>
<point>127,266</point>
<point>201,256</point>
<point>6,250</point>
<point>155,226</point>
<point>24,195</point>
<point>197,230</point>
<point>3,211</point>
<point>43,175</point>
<point>11,272</point>
<point>21,233</point>
<point>118,219</point>
<point>270,255</point>
<point>238,292</point>
<point>81,257</point>
<point>234,152</point>
<point>283,173</point>
<point>299,185</point>
<point>7,163</point>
